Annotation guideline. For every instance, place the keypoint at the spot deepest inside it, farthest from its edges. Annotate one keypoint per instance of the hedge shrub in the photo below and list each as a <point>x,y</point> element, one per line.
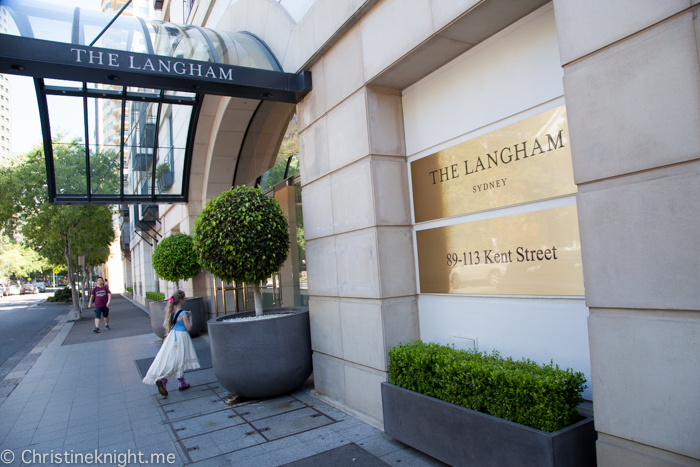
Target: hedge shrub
<point>155,296</point>
<point>540,396</point>
<point>130,289</point>
<point>61,295</point>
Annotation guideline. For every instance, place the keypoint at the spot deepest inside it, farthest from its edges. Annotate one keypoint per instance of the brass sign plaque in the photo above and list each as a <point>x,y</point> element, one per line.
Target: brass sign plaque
<point>536,253</point>
<point>526,161</point>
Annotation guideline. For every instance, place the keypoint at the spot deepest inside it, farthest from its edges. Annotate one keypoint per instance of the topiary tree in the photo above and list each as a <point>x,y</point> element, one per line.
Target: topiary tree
<point>241,236</point>
<point>174,259</point>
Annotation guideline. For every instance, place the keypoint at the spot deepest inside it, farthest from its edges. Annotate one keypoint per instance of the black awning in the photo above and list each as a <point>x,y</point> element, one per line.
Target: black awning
<point>141,81</point>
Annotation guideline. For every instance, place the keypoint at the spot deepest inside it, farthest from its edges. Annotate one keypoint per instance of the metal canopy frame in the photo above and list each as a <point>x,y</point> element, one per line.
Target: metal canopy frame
<point>168,76</point>
<point>161,98</point>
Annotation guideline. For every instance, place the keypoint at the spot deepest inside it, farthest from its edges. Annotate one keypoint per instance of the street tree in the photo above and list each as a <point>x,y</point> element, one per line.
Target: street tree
<point>18,260</point>
<point>60,232</point>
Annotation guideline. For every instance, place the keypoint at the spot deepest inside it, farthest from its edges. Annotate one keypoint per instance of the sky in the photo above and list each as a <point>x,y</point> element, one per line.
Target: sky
<point>26,128</point>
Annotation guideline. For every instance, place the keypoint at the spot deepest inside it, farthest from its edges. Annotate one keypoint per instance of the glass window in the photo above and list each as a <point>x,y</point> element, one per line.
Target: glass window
<point>104,117</point>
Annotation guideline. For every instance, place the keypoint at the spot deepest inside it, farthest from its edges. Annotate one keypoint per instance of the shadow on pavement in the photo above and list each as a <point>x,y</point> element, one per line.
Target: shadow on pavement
<point>125,320</point>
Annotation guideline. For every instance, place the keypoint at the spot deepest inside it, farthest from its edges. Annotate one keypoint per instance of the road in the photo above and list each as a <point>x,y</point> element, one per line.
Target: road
<point>22,319</point>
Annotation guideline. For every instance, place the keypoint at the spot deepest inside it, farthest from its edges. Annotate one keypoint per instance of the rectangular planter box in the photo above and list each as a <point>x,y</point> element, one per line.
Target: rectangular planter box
<point>464,437</point>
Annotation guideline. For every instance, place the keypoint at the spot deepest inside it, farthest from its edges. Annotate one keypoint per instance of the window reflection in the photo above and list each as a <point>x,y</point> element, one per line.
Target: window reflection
<point>69,168</point>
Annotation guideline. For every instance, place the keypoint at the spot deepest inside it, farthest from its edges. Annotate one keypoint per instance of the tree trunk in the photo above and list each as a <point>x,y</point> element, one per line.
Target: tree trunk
<point>71,281</point>
<point>257,295</point>
<point>84,296</point>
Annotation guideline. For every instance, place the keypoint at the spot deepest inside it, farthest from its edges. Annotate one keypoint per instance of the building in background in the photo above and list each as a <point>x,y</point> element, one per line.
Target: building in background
<point>138,275</point>
<point>5,115</point>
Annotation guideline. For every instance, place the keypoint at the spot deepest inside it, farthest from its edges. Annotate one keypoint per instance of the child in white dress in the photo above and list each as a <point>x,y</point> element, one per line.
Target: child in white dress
<point>177,353</point>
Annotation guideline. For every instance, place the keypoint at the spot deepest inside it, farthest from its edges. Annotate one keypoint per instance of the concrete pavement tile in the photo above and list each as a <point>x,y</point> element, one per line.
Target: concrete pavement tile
<point>145,422</point>
<point>326,442</point>
<point>206,423</point>
<point>144,412</point>
<point>153,429</point>
<point>291,423</point>
<point>280,443</point>
<point>263,460</point>
<point>122,446</point>
<point>270,407</point>
<point>46,446</point>
<point>79,421</point>
<point>106,403</point>
<point>346,424</point>
<point>54,422</point>
<point>247,453</point>
<point>46,434</point>
<point>115,429</point>
<point>83,442</point>
<point>87,427</point>
<point>140,402</point>
<point>331,411</point>
<point>235,438</point>
<point>201,447</point>
<point>56,412</point>
<point>411,458</point>
<point>23,425</point>
<point>108,411</point>
<point>220,461</point>
<point>359,432</point>
<point>292,453</point>
<point>125,438</point>
<point>18,439</point>
<point>157,438</point>
<point>31,417</point>
<point>381,445</point>
<point>307,398</point>
<point>113,420</point>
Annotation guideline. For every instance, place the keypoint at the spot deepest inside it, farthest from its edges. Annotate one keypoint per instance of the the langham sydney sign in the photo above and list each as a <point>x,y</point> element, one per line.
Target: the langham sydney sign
<point>526,161</point>
<point>534,253</point>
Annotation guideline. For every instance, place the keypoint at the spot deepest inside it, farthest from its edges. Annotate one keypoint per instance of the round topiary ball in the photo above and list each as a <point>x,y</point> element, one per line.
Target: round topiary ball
<point>174,258</point>
<point>241,236</point>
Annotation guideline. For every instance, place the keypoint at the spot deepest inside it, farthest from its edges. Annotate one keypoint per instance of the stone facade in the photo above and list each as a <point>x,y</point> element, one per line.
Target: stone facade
<point>631,85</point>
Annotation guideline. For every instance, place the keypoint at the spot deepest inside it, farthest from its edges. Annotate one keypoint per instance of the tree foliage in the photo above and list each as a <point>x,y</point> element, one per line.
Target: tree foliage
<point>18,260</point>
<point>241,236</point>
<point>174,258</point>
<point>58,232</point>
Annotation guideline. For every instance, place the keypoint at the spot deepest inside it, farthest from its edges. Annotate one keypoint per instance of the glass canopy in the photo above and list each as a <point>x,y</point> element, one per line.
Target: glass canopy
<point>119,115</point>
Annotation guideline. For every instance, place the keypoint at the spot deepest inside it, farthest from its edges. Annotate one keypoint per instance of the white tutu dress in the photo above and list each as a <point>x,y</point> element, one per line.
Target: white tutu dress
<point>176,355</point>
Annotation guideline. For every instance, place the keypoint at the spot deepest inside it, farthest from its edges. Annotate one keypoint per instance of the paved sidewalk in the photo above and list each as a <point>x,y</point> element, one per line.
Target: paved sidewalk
<point>88,398</point>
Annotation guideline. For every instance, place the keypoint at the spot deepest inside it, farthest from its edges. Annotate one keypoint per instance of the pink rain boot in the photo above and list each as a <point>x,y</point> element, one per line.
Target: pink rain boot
<point>182,384</point>
<point>162,386</point>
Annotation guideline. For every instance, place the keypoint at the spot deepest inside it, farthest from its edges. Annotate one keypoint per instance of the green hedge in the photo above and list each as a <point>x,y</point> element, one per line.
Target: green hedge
<point>155,296</point>
<point>540,396</point>
<point>61,295</point>
<point>130,289</point>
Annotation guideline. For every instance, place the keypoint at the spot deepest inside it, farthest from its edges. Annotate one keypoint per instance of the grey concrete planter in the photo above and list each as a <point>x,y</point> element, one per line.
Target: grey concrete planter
<point>463,437</point>
<point>193,304</point>
<point>264,358</point>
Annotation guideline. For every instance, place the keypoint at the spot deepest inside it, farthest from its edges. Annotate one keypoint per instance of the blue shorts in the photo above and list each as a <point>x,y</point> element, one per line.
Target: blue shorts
<point>101,310</point>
